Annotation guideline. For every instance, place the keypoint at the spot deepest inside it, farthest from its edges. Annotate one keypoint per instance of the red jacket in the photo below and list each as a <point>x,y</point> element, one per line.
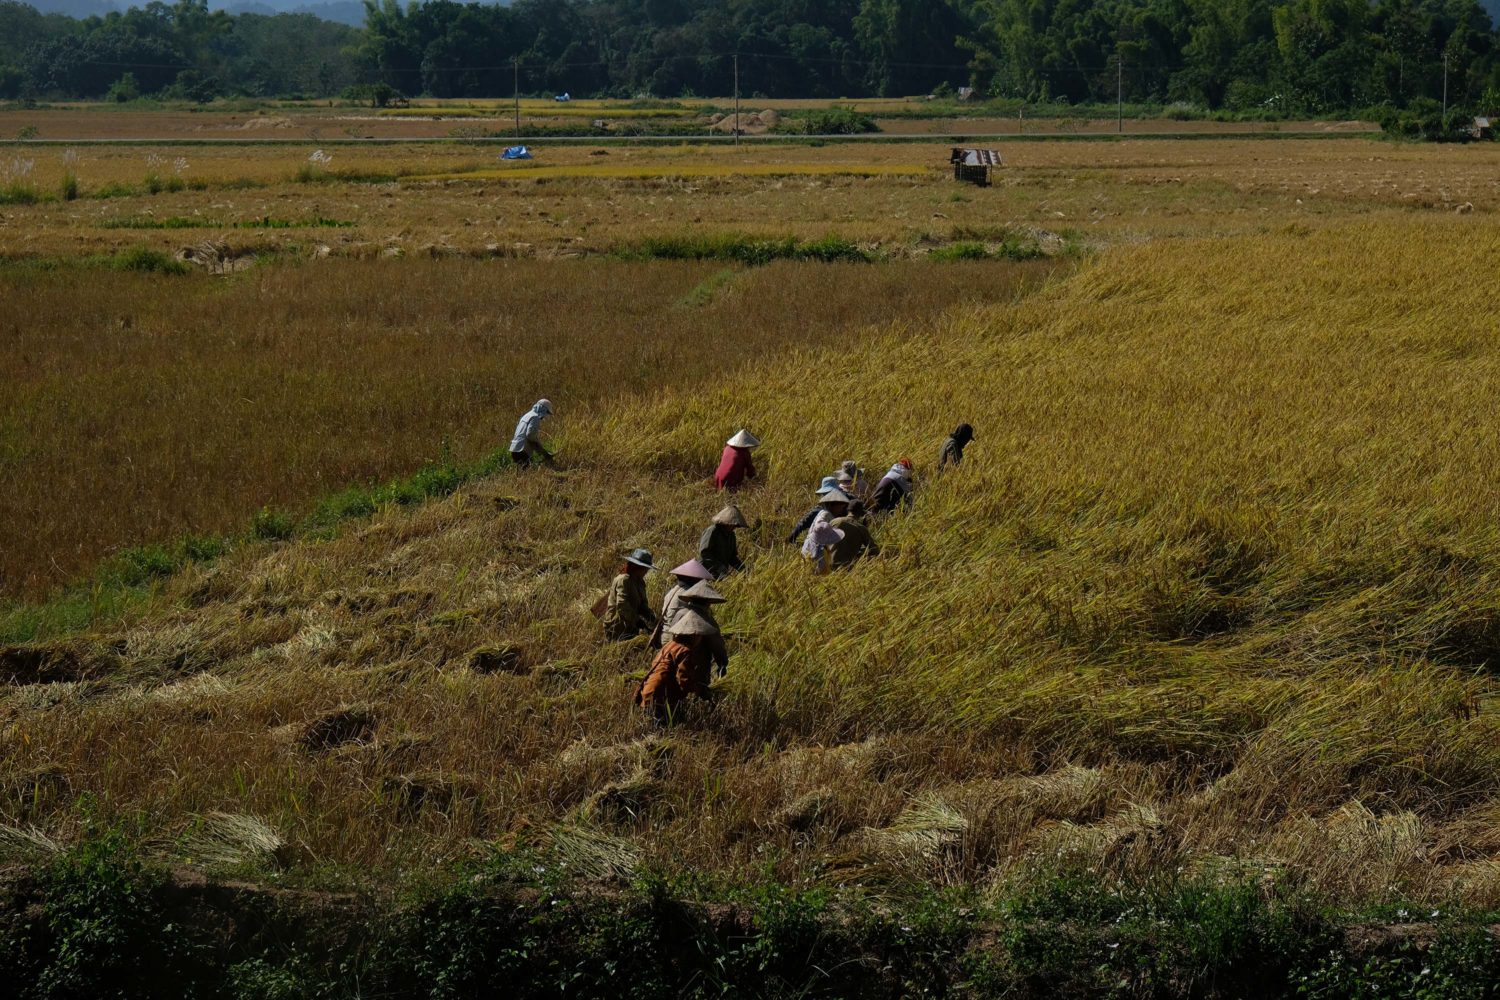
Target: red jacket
<point>734,468</point>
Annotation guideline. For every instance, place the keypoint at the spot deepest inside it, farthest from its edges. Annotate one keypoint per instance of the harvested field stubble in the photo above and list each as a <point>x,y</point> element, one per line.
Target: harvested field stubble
<point>1213,591</point>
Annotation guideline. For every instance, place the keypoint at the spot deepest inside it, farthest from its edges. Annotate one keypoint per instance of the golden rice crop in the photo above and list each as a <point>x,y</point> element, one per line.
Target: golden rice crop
<point>683,170</point>
<point>1215,590</point>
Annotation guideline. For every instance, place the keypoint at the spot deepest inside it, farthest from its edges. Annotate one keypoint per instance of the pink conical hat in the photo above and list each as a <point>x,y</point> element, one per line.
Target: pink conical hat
<point>693,570</point>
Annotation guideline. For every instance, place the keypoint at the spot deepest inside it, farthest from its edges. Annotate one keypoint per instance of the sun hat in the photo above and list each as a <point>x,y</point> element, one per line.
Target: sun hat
<point>744,439</point>
<point>850,468</point>
<point>823,534</point>
<point>701,591</point>
<point>836,496</point>
<point>828,485</point>
<point>730,517</point>
<point>641,557</point>
<point>693,570</point>
<point>691,622</point>
<point>543,406</point>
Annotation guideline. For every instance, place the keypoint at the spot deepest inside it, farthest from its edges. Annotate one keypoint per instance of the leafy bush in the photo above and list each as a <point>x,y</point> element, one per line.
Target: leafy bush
<point>751,250</point>
<point>148,260</point>
<point>271,525</point>
<point>827,121</point>
<point>1423,120</point>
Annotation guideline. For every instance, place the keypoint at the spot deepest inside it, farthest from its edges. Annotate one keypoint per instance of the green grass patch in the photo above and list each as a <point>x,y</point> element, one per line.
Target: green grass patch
<point>708,290</point>
<point>741,249</point>
<point>102,919</point>
<point>21,194</point>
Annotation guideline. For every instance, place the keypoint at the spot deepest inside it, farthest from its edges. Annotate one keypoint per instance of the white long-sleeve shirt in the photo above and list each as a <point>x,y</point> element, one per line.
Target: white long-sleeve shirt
<point>528,431</point>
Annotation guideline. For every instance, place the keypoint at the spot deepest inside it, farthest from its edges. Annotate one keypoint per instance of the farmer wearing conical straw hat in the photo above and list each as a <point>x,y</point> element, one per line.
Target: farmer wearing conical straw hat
<point>829,484</point>
<point>688,575</point>
<point>527,441</point>
<point>851,479</point>
<point>627,613</point>
<point>821,538</point>
<point>698,601</point>
<point>682,669</point>
<point>717,549</point>
<point>735,465</point>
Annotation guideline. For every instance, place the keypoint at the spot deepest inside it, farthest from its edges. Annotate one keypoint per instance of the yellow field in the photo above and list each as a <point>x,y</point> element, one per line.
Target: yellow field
<point>1213,597</point>
<point>686,171</point>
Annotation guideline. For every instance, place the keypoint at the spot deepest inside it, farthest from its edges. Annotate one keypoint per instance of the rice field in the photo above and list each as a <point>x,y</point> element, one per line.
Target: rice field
<point>1212,598</point>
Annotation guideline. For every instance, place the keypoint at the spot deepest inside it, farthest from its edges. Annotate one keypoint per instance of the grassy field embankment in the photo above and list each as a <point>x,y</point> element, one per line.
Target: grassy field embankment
<point>1212,604</point>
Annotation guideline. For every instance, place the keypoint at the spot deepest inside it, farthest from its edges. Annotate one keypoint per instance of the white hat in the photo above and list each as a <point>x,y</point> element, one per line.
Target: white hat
<point>744,439</point>
<point>543,406</point>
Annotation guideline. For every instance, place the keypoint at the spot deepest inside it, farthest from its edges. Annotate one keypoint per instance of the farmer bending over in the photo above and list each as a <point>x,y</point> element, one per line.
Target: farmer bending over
<point>626,611</point>
<point>717,549</point>
<point>688,575</point>
<point>953,448</point>
<point>735,465</point>
<point>528,439</point>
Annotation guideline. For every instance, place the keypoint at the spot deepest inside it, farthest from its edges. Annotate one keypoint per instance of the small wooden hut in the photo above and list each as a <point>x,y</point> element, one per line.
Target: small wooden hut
<point>974,165</point>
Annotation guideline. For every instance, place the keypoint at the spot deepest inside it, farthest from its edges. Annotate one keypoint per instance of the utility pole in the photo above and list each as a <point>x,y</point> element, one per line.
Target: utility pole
<point>516,66</point>
<point>1119,94</point>
<point>1445,86</point>
<point>736,98</point>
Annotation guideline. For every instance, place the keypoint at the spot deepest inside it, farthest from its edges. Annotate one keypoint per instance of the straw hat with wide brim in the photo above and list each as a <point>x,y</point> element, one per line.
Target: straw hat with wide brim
<point>702,592</point>
<point>744,439</point>
<point>642,558</point>
<point>730,517</point>
<point>693,570</point>
<point>692,623</point>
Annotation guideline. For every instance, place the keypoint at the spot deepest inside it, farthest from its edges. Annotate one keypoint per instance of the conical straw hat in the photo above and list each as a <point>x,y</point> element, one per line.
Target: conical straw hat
<point>701,591</point>
<point>731,517</point>
<point>693,570</point>
<point>744,439</point>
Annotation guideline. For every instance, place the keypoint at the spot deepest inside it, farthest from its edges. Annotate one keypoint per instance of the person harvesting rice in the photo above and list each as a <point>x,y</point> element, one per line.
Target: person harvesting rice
<point>735,464</point>
<point>527,441</point>
<point>689,575</point>
<point>626,611</point>
<point>718,550</point>
<point>895,489</point>
<point>953,448</point>
<point>682,669</point>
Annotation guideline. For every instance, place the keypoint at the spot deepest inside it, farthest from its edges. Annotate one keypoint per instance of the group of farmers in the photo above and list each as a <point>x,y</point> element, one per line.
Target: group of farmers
<point>834,535</point>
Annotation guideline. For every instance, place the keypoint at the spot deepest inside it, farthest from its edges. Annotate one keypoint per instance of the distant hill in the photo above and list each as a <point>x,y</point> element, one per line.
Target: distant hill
<point>341,11</point>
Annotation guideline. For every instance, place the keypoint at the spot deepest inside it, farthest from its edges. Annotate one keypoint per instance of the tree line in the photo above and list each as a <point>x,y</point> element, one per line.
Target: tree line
<point>1248,56</point>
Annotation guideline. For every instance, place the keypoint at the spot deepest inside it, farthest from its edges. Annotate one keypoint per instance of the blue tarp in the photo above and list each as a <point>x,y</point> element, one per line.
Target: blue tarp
<point>516,153</point>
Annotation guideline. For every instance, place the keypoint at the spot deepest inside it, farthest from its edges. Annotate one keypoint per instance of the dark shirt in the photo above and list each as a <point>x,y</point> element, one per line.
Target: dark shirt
<point>719,552</point>
<point>804,524</point>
